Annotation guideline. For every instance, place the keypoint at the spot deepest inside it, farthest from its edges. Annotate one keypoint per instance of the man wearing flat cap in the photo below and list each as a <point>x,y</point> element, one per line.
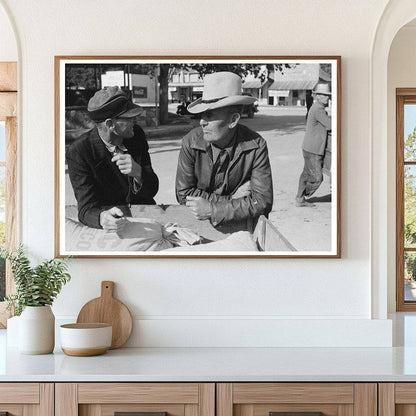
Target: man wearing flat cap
<point>224,172</point>
<point>318,125</point>
<point>111,166</point>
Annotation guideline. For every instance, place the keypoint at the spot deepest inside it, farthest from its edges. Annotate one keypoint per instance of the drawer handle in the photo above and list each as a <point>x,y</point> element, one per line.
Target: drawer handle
<point>296,414</point>
<point>138,414</point>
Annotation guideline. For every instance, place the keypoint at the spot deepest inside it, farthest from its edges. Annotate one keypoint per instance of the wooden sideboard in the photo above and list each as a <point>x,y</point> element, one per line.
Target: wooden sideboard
<point>207,399</point>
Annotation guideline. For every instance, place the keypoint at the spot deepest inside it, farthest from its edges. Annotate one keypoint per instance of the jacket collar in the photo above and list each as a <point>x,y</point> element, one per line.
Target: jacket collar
<point>245,140</point>
<point>99,150</point>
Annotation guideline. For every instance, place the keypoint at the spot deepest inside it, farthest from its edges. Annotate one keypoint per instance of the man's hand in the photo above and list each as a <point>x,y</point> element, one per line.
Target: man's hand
<point>328,110</point>
<point>200,207</point>
<point>112,220</point>
<point>242,191</point>
<point>127,165</point>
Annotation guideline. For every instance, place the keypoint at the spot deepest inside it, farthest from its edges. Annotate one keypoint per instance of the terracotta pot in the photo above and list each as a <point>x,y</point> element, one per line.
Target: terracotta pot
<point>37,330</point>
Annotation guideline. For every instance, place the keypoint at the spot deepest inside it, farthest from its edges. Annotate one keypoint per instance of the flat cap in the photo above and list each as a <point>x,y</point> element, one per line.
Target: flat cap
<point>111,102</point>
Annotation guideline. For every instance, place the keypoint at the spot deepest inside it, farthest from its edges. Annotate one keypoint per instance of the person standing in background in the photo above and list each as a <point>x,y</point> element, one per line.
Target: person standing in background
<point>317,127</point>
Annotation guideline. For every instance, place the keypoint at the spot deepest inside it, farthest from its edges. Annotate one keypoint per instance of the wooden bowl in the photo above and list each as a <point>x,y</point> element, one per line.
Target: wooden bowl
<point>84,340</point>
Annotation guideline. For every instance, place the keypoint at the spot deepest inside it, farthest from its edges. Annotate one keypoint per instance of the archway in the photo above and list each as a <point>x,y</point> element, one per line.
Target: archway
<point>396,14</point>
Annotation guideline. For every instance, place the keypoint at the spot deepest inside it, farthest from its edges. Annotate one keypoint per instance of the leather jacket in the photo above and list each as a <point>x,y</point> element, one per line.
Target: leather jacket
<point>250,163</point>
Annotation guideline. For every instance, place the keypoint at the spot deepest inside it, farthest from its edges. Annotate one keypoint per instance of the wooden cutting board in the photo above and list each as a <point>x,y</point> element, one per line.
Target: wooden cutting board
<point>107,309</point>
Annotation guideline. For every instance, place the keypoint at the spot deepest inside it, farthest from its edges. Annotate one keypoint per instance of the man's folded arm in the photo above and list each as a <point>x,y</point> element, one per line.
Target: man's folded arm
<point>260,199</point>
<point>186,183</point>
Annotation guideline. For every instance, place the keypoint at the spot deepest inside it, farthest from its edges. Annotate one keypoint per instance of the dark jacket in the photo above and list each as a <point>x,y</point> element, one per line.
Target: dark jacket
<point>250,163</point>
<point>99,184</point>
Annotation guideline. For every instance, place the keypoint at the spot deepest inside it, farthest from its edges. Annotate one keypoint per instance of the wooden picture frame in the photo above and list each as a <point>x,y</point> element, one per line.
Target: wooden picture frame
<point>164,86</point>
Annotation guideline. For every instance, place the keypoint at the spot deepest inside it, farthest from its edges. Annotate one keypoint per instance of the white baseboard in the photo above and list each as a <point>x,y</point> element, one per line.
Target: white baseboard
<point>258,332</point>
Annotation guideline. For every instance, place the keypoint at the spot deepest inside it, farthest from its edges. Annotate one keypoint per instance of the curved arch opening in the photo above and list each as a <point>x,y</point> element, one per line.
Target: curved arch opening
<point>397,15</point>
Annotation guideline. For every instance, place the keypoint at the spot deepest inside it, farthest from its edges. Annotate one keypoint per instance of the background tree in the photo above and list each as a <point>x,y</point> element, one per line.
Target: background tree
<point>410,205</point>
<point>327,68</point>
<point>410,146</point>
<point>2,205</point>
<point>410,190</point>
<point>2,241</point>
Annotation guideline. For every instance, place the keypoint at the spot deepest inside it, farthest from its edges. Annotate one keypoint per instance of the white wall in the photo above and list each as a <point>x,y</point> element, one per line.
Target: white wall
<point>8,46</point>
<point>401,74</point>
<point>211,301</point>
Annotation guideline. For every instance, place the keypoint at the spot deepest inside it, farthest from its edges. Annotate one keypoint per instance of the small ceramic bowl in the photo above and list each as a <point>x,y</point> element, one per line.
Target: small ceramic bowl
<point>83,340</point>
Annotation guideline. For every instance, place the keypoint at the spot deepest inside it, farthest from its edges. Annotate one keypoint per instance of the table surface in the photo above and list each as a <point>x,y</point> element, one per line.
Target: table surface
<point>179,214</point>
<point>213,365</point>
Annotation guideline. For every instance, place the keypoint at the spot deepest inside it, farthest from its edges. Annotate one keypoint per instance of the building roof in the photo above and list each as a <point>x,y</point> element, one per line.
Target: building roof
<point>293,85</point>
<point>186,84</point>
<point>255,83</point>
<point>302,76</point>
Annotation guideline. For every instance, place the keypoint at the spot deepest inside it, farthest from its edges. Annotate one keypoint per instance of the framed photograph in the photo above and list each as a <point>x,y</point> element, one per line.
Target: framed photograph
<point>196,156</point>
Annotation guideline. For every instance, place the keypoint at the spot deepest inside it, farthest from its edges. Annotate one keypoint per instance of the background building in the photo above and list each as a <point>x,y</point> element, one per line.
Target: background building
<point>290,87</point>
<point>185,86</point>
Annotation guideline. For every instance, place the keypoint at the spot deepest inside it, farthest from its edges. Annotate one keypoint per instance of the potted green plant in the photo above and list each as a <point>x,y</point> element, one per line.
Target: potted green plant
<point>36,289</point>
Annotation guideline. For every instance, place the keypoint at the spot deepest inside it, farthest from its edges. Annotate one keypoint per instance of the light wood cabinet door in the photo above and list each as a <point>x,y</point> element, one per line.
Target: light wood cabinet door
<point>27,399</point>
<point>297,399</point>
<point>145,399</point>
<point>397,399</point>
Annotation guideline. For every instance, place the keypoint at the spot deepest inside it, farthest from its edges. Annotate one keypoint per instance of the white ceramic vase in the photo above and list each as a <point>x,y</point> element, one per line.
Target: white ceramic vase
<point>13,331</point>
<point>37,330</point>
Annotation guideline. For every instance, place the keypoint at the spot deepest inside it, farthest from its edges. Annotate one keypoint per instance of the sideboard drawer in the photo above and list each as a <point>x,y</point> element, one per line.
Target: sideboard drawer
<point>146,399</point>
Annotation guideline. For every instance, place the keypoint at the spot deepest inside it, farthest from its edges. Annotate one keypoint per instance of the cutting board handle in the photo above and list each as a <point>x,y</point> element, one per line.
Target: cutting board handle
<point>107,288</point>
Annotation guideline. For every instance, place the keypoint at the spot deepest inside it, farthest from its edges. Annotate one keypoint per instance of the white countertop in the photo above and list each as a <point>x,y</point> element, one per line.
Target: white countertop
<point>213,364</point>
<point>222,364</point>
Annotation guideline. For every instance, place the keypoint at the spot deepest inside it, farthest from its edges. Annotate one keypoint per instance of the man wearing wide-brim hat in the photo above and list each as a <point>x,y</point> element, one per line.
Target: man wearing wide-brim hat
<point>223,170</point>
<point>314,144</point>
<point>111,166</point>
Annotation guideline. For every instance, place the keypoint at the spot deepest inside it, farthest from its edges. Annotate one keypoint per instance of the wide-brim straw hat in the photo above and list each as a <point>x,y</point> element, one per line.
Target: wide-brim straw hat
<point>221,89</point>
<point>322,88</point>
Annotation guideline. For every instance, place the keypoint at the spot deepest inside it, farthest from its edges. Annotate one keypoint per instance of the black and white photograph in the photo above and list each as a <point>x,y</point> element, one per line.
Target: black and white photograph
<point>198,157</point>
